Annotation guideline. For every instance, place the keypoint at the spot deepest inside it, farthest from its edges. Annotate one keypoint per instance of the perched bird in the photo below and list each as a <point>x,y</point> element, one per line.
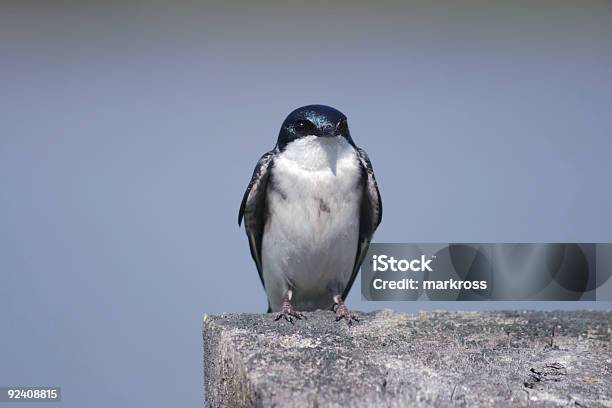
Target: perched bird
<point>310,211</point>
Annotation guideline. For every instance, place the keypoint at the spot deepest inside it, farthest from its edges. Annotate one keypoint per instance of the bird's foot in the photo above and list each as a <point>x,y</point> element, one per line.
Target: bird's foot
<point>288,312</point>
<point>342,312</point>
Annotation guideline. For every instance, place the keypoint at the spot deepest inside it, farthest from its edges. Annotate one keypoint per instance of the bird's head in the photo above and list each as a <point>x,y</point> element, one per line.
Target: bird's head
<point>313,120</point>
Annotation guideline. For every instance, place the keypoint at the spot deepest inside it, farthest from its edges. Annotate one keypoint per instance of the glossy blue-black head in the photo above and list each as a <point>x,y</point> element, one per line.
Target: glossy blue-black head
<point>313,120</point>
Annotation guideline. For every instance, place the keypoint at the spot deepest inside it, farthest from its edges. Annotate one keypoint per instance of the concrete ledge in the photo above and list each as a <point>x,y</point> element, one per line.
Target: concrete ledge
<point>394,360</point>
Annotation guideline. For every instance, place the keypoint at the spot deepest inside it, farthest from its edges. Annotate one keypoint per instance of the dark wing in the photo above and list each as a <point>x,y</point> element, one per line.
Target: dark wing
<point>253,208</point>
<point>370,215</point>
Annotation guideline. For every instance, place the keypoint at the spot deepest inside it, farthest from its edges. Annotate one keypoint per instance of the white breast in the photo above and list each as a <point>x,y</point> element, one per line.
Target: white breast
<point>310,239</point>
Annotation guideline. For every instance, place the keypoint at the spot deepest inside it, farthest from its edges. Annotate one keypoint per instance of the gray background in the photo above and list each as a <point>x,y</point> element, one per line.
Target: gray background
<point>129,132</point>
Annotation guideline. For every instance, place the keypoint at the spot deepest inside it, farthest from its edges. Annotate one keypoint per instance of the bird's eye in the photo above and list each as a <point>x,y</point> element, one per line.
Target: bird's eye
<point>304,126</point>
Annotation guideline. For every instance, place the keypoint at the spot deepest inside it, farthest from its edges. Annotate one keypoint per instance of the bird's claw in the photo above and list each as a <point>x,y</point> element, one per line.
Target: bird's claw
<point>342,312</point>
<point>288,313</point>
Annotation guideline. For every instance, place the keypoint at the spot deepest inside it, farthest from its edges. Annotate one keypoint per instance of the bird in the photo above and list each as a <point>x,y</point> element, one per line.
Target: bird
<point>310,211</point>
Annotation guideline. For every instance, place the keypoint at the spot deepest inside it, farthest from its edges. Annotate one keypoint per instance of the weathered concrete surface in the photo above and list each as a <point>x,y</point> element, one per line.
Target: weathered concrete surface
<point>397,360</point>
